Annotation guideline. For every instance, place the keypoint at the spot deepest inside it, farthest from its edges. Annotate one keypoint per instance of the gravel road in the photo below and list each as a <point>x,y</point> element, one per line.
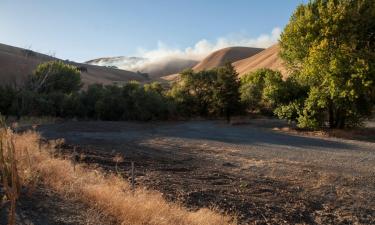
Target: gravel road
<point>261,175</point>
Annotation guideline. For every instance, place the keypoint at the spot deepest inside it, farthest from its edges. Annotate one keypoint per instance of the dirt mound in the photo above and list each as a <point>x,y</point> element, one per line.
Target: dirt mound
<point>269,58</point>
<point>17,63</point>
<point>221,56</point>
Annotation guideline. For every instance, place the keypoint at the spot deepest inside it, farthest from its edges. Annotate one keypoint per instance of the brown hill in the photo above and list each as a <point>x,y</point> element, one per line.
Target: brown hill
<point>17,63</point>
<point>231,54</point>
<point>269,58</point>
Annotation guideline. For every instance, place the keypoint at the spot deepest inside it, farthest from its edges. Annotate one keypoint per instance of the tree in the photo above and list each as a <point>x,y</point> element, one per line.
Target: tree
<point>263,89</point>
<point>7,96</point>
<point>226,95</point>
<point>251,89</point>
<point>329,46</point>
<point>155,87</point>
<point>111,105</point>
<point>55,76</point>
<point>89,99</point>
<point>193,92</point>
<point>212,92</point>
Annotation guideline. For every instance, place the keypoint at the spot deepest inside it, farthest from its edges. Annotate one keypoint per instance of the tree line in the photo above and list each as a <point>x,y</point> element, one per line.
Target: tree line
<point>55,89</point>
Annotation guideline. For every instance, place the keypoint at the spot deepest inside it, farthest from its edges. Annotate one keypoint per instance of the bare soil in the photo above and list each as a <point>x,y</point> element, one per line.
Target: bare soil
<point>261,175</point>
<point>42,206</point>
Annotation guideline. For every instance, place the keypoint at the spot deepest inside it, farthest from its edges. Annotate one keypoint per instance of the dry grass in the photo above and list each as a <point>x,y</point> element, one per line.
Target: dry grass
<point>107,193</point>
<point>9,177</point>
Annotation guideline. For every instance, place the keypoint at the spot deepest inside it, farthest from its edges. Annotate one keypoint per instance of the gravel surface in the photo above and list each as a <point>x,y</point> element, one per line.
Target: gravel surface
<point>262,176</point>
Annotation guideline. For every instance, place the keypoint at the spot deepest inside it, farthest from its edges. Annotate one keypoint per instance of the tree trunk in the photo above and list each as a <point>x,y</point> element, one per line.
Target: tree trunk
<point>331,119</point>
<point>341,123</point>
<point>339,120</point>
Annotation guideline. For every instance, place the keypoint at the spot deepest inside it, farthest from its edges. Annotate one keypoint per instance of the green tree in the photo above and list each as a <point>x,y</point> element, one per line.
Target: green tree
<point>72,106</point>
<point>329,46</point>
<point>155,87</point>
<point>111,105</point>
<point>7,96</point>
<point>226,94</point>
<point>89,99</point>
<point>193,92</point>
<point>55,76</point>
<point>262,90</point>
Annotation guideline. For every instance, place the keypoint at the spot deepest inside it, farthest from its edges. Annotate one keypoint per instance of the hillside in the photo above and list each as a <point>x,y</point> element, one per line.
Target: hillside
<point>17,63</point>
<point>231,54</point>
<point>162,68</point>
<point>154,68</point>
<point>269,58</point>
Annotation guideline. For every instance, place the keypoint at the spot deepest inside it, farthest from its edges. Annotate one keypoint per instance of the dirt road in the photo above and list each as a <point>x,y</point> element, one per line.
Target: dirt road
<point>263,176</point>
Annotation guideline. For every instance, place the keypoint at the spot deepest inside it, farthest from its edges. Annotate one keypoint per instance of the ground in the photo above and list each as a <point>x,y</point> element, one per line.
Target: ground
<point>42,206</point>
<point>261,175</point>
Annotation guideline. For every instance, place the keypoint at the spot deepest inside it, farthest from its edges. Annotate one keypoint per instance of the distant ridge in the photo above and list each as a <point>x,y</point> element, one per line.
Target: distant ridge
<point>17,63</point>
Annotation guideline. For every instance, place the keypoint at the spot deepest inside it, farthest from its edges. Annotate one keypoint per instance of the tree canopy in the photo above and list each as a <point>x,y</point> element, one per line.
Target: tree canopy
<point>212,92</point>
<point>55,76</point>
<point>328,45</point>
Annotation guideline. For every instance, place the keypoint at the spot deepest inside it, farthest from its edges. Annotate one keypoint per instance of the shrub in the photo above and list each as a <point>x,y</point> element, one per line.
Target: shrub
<point>7,96</point>
<point>55,76</point>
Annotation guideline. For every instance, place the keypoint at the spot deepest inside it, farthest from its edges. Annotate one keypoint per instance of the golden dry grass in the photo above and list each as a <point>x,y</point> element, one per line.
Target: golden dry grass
<point>107,193</point>
<point>268,58</point>
<point>9,177</point>
<point>230,54</point>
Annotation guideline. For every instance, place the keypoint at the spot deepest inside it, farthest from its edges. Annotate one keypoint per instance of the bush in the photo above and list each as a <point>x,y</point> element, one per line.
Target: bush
<point>289,112</point>
<point>7,96</point>
<point>263,90</point>
<point>55,76</point>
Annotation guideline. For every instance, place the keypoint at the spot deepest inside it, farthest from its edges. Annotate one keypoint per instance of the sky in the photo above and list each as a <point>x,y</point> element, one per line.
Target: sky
<point>81,30</point>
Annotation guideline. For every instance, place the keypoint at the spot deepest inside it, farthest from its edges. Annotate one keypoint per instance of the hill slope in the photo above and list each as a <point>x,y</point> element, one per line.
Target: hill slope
<point>159,69</point>
<point>269,58</point>
<point>231,54</point>
<point>17,63</point>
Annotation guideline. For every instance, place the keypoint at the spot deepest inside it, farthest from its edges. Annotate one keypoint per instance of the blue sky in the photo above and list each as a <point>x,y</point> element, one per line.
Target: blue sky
<point>82,29</point>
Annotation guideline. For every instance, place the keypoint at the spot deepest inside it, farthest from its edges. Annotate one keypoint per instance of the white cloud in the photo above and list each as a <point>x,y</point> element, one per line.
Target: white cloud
<point>163,53</point>
<point>204,47</point>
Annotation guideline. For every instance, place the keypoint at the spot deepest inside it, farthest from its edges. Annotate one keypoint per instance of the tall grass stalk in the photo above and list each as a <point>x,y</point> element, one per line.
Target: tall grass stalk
<point>8,170</point>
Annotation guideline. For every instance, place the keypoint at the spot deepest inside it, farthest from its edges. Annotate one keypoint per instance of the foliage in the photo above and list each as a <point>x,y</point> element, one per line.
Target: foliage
<point>207,93</point>
<point>264,90</point>
<point>290,111</point>
<point>193,93</point>
<point>132,101</point>
<point>329,45</point>
<point>7,95</point>
<point>226,95</point>
<point>55,76</point>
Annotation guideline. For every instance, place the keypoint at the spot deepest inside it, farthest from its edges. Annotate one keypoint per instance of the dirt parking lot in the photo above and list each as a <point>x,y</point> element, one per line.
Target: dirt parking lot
<point>260,175</point>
